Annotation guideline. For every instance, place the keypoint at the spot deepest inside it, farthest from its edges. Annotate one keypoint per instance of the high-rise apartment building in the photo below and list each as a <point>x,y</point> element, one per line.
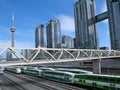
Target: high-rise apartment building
<point>53,34</point>
<point>39,36</point>
<point>86,35</point>
<point>68,42</point>
<point>114,23</point>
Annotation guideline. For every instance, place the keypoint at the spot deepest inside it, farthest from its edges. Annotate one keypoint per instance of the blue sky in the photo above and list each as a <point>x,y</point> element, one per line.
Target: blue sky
<point>30,13</point>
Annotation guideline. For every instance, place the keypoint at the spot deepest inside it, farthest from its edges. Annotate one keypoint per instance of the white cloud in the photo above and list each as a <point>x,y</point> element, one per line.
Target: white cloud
<point>67,24</point>
<point>105,21</point>
<point>104,7</point>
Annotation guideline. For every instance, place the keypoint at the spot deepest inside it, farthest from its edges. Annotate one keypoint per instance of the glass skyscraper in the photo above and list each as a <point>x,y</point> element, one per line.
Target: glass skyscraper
<point>114,23</point>
<point>86,35</point>
<point>39,36</point>
<point>53,34</point>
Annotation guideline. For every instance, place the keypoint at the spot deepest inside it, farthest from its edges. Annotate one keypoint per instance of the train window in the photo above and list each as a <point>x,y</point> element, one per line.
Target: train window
<point>84,77</point>
<point>80,80</point>
<point>93,77</point>
<point>112,80</point>
<point>105,79</point>
<point>106,87</point>
<point>88,77</point>
<point>67,77</point>
<point>99,78</point>
<point>118,80</point>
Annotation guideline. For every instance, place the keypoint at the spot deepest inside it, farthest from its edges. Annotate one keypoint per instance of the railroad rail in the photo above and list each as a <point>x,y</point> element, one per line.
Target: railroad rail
<point>8,83</point>
<point>32,83</point>
<point>46,84</point>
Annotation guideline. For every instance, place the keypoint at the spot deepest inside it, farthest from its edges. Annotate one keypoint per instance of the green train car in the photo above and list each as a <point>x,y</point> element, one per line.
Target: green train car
<point>13,69</point>
<point>33,72</point>
<point>105,82</point>
<point>78,77</point>
<point>65,77</point>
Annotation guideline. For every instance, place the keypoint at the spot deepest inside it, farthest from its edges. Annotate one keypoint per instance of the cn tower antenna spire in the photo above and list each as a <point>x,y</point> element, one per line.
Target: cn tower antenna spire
<point>12,30</point>
<point>12,19</point>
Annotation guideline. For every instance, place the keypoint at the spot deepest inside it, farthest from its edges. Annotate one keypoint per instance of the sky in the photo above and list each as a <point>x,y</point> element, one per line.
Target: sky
<point>31,13</point>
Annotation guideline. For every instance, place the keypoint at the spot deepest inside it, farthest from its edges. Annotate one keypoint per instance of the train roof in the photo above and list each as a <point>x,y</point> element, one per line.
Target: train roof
<point>60,72</point>
<point>47,68</point>
<point>107,75</point>
<point>77,70</point>
<point>102,75</point>
<point>37,69</point>
<point>32,67</point>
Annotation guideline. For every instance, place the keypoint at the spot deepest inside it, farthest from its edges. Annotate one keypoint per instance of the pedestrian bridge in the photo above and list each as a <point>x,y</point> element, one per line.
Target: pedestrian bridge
<point>27,56</point>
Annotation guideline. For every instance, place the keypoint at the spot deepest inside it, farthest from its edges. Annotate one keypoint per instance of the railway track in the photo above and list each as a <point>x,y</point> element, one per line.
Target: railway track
<point>8,83</point>
<point>57,84</point>
<point>31,81</point>
<point>50,85</point>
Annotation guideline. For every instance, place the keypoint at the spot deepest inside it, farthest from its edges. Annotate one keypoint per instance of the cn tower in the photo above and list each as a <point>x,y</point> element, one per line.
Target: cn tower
<point>12,31</point>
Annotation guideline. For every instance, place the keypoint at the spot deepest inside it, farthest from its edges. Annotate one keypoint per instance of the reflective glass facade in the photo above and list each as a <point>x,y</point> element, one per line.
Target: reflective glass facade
<point>53,34</point>
<point>86,35</point>
<point>114,23</point>
<point>39,36</point>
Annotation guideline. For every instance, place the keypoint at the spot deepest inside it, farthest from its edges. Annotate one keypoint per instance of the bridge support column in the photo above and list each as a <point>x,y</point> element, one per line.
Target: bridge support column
<point>97,66</point>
